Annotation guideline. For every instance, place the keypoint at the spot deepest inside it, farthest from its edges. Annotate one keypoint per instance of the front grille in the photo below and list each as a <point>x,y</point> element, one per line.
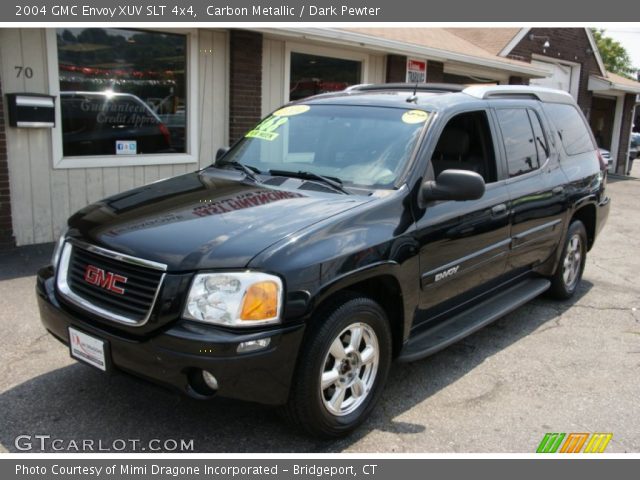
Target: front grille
<point>133,305</point>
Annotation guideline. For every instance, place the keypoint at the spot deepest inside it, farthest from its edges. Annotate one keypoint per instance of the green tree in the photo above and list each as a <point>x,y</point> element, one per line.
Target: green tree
<point>614,55</point>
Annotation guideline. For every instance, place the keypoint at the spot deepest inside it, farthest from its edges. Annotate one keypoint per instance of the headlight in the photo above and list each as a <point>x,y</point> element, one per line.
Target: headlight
<point>242,299</point>
<point>55,258</point>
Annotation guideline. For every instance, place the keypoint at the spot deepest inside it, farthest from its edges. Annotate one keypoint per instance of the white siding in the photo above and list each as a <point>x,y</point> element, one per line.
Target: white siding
<point>213,96</point>
<point>273,82</point>
<point>43,198</point>
<point>377,68</point>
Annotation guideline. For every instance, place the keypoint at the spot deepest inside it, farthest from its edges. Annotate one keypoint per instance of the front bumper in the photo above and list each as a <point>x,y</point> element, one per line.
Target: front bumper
<point>174,356</point>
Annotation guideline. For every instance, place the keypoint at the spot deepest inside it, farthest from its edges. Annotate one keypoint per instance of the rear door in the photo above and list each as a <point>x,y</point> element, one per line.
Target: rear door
<point>463,245</point>
<point>535,184</point>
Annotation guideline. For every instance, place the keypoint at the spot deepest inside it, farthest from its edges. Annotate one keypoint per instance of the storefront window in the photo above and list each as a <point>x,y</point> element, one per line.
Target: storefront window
<point>313,74</point>
<point>122,92</point>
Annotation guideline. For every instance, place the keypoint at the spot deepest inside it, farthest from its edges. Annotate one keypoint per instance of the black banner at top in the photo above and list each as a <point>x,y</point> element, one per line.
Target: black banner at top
<point>210,11</point>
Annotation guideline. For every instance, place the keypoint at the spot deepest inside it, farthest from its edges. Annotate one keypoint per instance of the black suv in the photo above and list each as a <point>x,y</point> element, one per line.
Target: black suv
<point>342,232</point>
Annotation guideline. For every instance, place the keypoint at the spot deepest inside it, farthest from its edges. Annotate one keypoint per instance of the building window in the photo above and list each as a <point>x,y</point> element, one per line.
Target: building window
<point>123,95</point>
<point>313,74</point>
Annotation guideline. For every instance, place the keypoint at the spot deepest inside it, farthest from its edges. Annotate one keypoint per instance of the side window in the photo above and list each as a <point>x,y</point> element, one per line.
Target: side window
<point>540,139</point>
<point>466,144</point>
<point>571,128</point>
<point>519,140</point>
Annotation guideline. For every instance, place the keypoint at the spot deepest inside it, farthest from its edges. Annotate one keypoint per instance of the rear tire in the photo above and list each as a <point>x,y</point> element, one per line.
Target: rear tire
<point>566,279</point>
<point>342,368</point>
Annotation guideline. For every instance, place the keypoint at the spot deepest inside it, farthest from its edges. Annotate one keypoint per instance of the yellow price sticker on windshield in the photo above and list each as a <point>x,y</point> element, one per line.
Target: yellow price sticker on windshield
<point>266,130</point>
<point>291,110</point>
<point>414,116</point>
<point>268,136</point>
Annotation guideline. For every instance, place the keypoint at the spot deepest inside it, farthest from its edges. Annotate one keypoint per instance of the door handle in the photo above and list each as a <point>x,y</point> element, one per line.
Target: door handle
<point>499,209</point>
<point>558,190</point>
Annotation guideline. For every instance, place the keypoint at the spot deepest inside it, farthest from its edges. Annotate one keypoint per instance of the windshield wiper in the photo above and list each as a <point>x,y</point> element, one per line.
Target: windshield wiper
<point>333,182</point>
<point>248,170</point>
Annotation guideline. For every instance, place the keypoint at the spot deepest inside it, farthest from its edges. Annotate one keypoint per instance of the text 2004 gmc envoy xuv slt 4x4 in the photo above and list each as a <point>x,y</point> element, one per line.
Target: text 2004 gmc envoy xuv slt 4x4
<point>383,222</point>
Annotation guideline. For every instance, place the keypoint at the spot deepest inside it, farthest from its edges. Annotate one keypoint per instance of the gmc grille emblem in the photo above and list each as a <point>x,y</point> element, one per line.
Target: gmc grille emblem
<point>103,279</point>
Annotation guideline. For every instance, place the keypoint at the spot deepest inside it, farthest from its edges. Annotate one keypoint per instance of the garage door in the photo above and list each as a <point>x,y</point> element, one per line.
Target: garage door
<point>560,77</point>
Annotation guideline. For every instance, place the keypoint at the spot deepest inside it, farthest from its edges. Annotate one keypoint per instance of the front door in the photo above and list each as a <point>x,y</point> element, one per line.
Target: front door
<point>601,120</point>
<point>463,245</point>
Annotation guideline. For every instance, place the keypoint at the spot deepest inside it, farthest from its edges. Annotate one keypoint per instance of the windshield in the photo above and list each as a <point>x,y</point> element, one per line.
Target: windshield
<point>358,145</point>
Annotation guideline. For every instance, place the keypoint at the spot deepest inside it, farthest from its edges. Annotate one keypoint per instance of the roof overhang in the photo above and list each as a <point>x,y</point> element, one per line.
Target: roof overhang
<point>383,45</point>
<point>606,85</point>
<point>596,51</point>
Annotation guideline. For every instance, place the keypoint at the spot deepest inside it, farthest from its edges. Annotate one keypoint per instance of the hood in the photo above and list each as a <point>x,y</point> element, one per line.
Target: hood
<point>208,219</point>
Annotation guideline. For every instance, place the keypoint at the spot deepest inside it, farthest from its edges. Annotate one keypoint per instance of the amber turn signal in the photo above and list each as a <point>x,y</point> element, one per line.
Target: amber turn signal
<point>260,301</point>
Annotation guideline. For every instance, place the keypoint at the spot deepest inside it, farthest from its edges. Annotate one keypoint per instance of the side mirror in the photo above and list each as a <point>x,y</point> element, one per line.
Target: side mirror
<point>222,151</point>
<point>453,185</point>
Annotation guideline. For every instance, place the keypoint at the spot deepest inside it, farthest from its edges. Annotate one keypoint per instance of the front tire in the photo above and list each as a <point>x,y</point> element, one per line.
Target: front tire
<point>568,275</point>
<point>342,368</point>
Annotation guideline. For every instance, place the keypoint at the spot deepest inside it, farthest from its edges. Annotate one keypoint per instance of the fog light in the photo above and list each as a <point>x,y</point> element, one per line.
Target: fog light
<point>253,345</point>
<point>210,380</point>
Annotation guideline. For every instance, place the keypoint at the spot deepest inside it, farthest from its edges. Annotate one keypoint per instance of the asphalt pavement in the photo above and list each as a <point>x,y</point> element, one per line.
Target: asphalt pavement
<point>547,367</point>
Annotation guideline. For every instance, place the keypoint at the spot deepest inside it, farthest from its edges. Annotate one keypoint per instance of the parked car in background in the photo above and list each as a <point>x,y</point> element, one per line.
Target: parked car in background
<point>342,232</point>
<point>634,149</point>
<point>606,156</point>
<point>96,123</point>
<point>171,110</point>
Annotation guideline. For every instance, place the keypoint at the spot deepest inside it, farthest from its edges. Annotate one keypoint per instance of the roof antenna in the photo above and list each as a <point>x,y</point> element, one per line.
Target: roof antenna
<point>413,98</point>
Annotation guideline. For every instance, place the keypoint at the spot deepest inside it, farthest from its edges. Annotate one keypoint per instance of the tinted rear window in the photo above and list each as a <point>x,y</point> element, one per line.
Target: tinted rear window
<point>571,127</point>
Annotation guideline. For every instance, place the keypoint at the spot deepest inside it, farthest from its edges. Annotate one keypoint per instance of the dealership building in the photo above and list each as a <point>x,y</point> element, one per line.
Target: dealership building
<point>120,108</point>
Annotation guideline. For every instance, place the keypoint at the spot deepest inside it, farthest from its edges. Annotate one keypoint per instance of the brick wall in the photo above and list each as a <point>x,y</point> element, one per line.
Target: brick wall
<point>515,80</point>
<point>396,68</point>
<point>245,82</point>
<point>625,132</point>
<point>6,230</point>
<point>571,44</point>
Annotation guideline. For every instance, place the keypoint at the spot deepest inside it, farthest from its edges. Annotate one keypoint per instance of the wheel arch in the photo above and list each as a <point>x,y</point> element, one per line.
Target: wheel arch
<point>586,213</point>
<point>381,284</point>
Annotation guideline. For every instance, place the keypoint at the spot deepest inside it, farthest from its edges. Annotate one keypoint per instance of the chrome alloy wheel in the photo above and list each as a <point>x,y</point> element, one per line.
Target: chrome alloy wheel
<point>572,261</point>
<point>349,369</point>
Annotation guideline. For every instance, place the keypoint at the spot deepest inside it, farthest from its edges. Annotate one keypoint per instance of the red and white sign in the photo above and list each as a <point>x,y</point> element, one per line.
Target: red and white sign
<point>416,71</point>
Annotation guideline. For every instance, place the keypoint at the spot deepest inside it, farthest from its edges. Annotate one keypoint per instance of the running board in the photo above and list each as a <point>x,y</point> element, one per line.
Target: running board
<point>456,328</point>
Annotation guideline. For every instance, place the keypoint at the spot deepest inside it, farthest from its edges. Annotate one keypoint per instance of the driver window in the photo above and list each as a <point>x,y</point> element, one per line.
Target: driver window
<point>466,144</point>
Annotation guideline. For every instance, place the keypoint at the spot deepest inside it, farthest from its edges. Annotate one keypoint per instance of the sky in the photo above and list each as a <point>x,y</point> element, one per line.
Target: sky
<point>629,37</point>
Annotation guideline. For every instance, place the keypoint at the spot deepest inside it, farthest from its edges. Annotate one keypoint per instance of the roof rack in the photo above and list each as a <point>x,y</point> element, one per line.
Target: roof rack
<point>408,87</point>
<point>518,91</point>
